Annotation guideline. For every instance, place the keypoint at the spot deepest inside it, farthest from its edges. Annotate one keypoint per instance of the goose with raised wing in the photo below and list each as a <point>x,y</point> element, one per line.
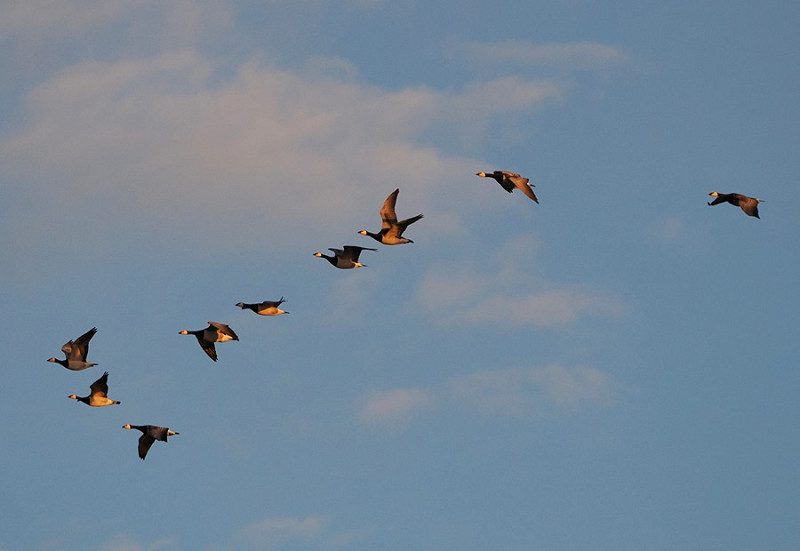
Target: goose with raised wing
<point>98,397</point>
<point>510,181</point>
<point>76,352</point>
<point>391,232</point>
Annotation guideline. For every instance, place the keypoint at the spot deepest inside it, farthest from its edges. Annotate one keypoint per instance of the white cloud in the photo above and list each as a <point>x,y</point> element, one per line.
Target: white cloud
<point>520,392</point>
<point>123,542</point>
<point>513,392</point>
<point>577,55</point>
<point>166,139</point>
<point>393,407</point>
<point>546,309</point>
<point>273,532</point>
<point>499,289</point>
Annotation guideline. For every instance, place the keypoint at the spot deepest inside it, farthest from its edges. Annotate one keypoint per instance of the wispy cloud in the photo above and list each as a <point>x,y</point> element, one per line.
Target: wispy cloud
<point>394,407</point>
<point>546,309</point>
<point>124,542</point>
<point>168,139</point>
<point>519,392</point>
<point>272,532</point>
<point>510,392</point>
<point>669,229</point>
<point>575,55</point>
<point>499,289</point>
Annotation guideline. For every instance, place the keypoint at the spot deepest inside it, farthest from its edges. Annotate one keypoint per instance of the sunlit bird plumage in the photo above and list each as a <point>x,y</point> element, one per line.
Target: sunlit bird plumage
<point>215,332</point>
<point>748,204</point>
<point>345,258</point>
<point>98,395</point>
<point>391,232</point>
<point>150,433</point>
<point>510,181</point>
<point>76,352</point>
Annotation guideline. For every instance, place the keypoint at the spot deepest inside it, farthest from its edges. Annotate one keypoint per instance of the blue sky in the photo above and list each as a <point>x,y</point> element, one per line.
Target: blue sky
<point>614,368</point>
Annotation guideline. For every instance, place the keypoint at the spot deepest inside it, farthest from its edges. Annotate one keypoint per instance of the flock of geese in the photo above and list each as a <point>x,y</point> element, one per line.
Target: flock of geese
<point>391,233</point>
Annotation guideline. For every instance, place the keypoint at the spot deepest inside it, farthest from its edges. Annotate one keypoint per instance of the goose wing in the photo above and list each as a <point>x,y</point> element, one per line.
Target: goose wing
<point>208,347</point>
<point>513,180</point>
<point>354,251</point>
<point>395,232</point>
<point>527,190</point>
<point>145,441</point>
<point>388,215</point>
<point>271,304</point>
<point>67,348</point>
<point>100,386</point>
<point>751,210</point>
<point>224,329</point>
<point>408,221</point>
<point>79,348</point>
<point>159,433</point>
<point>750,206</point>
<point>505,179</point>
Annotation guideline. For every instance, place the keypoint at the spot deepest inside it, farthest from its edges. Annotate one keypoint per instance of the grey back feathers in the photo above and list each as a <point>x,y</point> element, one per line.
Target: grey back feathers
<point>748,204</point>
<point>510,181</point>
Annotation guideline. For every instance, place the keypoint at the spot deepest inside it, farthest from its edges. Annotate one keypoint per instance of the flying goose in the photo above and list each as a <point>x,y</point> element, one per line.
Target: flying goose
<point>98,395</point>
<point>215,332</point>
<point>511,180</point>
<point>150,433</point>
<point>345,258</point>
<point>76,352</point>
<point>748,204</point>
<point>266,308</point>
<point>391,230</point>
